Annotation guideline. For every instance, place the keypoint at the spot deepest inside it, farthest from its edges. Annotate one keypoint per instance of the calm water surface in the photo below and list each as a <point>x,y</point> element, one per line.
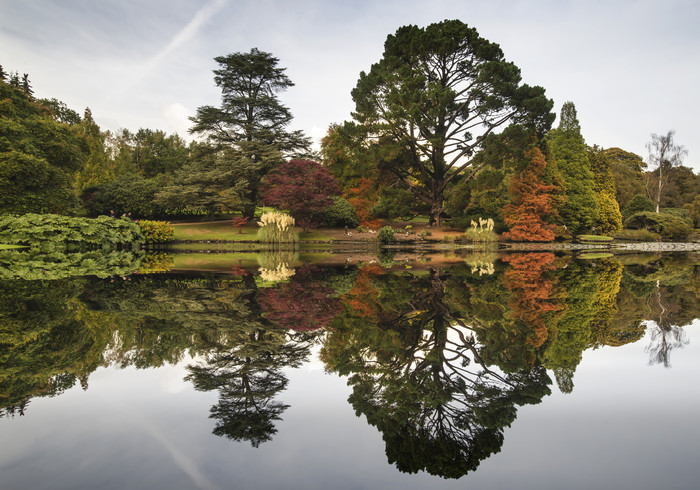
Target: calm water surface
<point>512,371</point>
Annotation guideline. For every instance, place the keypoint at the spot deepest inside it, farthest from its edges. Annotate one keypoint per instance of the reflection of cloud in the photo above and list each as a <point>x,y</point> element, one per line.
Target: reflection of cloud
<point>181,459</point>
<point>173,380</point>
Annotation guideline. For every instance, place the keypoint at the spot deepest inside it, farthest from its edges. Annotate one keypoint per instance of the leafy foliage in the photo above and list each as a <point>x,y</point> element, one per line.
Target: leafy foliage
<point>63,232</point>
<point>531,203</point>
<point>339,214</point>
<point>251,119</point>
<point>580,212</point>
<point>156,231</point>
<point>386,235</point>
<point>667,225</point>
<point>421,104</point>
<point>305,188</point>
<point>129,195</point>
<point>637,204</point>
<point>609,216</point>
<point>39,156</point>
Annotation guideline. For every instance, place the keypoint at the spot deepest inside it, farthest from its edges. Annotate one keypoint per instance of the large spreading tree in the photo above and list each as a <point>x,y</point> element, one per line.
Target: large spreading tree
<point>433,98</point>
<point>251,119</point>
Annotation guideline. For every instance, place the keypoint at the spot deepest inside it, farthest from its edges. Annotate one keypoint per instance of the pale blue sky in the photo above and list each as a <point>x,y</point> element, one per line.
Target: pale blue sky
<point>631,67</point>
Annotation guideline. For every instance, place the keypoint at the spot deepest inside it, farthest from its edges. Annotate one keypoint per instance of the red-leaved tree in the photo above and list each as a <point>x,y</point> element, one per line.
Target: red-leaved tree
<point>303,187</point>
<point>531,203</point>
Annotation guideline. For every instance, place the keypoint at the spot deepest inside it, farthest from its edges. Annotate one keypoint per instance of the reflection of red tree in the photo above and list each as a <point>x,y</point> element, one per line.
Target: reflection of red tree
<point>363,298</point>
<point>532,291</point>
<point>303,304</point>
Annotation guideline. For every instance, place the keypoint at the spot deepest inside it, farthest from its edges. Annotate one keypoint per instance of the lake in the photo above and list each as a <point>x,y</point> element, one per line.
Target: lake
<point>283,370</point>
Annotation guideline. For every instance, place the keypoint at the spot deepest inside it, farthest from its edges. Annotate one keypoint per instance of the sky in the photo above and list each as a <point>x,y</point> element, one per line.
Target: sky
<point>632,68</point>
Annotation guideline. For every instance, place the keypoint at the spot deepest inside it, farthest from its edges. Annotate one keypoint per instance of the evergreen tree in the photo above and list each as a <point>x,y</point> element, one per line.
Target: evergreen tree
<point>432,100</point>
<point>580,212</point>
<point>251,119</point>
<point>98,169</point>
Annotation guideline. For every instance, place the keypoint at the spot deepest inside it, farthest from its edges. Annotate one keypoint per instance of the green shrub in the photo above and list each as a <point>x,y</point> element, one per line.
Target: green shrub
<point>156,231</point>
<point>676,229</point>
<point>386,235</point>
<point>678,213</point>
<point>637,235</point>
<point>339,214</point>
<point>637,204</point>
<point>667,225</point>
<point>56,232</point>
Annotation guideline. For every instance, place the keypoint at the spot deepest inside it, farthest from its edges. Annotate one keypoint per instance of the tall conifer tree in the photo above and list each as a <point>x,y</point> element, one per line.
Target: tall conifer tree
<point>580,212</point>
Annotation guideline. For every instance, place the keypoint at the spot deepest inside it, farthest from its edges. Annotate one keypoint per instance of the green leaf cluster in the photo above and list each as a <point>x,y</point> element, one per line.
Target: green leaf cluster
<point>156,231</point>
<point>39,156</point>
<point>52,232</point>
<point>37,265</point>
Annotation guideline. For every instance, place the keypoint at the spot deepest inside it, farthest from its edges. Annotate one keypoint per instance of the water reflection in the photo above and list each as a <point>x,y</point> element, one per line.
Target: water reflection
<point>439,357</point>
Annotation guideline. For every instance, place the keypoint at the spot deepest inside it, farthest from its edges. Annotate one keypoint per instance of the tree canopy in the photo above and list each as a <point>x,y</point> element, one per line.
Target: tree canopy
<point>434,97</point>
<point>251,119</point>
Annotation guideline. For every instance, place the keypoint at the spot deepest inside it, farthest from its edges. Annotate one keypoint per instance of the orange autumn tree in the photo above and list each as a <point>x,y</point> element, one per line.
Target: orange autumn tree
<point>364,197</point>
<point>531,202</point>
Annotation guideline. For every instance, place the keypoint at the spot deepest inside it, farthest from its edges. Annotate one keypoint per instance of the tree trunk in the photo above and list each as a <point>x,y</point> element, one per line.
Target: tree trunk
<point>436,207</point>
<point>249,211</point>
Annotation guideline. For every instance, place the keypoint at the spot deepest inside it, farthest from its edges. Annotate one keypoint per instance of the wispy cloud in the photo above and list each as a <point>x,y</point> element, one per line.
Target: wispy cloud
<point>185,35</point>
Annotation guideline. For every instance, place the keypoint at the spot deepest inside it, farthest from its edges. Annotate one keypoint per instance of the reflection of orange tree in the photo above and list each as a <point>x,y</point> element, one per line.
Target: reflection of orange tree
<point>532,289</point>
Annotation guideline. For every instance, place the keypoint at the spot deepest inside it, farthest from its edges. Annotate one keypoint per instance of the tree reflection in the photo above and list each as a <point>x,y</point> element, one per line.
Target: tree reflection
<point>418,375</point>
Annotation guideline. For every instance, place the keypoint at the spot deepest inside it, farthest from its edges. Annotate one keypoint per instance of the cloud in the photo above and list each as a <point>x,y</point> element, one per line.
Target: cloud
<point>177,117</point>
<point>185,35</point>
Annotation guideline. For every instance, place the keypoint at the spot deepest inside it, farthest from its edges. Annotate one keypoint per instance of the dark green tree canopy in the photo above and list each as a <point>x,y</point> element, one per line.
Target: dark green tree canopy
<point>251,113</point>
<point>251,118</point>
<point>436,94</point>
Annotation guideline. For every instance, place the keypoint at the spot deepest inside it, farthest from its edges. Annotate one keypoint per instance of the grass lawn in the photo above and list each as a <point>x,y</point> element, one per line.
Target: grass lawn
<point>214,230</point>
<point>224,230</point>
<point>594,238</point>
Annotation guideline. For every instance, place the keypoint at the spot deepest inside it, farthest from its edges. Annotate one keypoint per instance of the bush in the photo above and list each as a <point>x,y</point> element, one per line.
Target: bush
<point>340,214</point>
<point>637,235</point>
<point>637,204</point>
<point>59,232</point>
<point>678,213</point>
<point>156,231</point>
<point>386,235</point>
<point>667,225</point>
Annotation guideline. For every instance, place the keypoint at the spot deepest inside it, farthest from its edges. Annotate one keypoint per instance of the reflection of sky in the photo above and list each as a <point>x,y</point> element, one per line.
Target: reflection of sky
<point>625,425</point>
